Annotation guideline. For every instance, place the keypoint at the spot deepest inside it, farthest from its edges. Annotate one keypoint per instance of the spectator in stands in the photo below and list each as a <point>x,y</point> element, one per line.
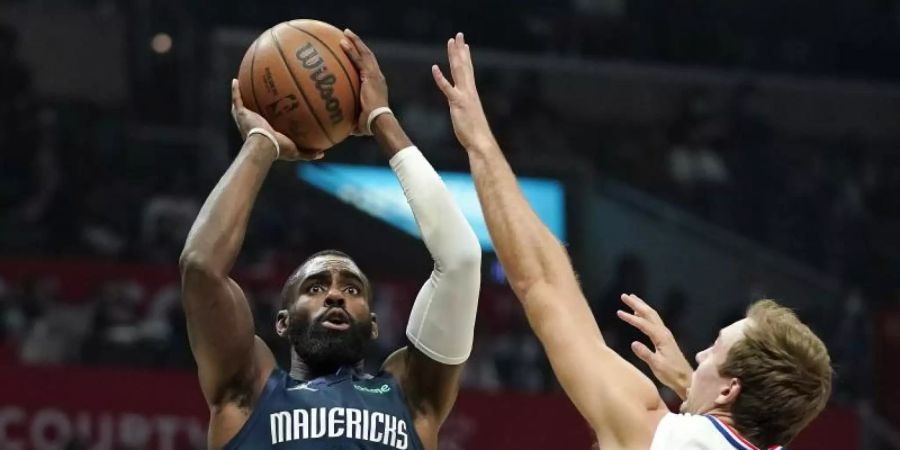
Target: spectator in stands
<point>535,132</point>
<point>12,323</point>
<point>481,368</point>
<point>426,117</point>
<point>20,171</point>
<point>17,109</point>
<point>163,329</point>
<point>511,354</point>
<point>630,276</point>
<point>35,215</point>
<point>116,337</point>
<point>698,169</point>
<point>99,231</point>
<point>12,319</point>
<point>851,345</point>
<point>166,220</point>
<point>55,326</point>
<point>757,168</point>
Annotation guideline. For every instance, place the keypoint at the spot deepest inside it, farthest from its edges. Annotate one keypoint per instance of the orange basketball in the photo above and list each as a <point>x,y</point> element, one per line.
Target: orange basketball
<point>297,76</point>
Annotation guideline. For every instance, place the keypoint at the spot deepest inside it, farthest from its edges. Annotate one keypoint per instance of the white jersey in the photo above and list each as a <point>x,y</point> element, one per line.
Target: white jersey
<point>690,432</point>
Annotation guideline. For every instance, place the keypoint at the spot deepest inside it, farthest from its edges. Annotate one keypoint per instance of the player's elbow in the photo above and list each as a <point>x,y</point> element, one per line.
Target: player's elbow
<point>467,257</point>
<point>525,286</point>
<point>542,289</point>
<point>192,263</point>
<point>550,271</point>
<point>463,256</point>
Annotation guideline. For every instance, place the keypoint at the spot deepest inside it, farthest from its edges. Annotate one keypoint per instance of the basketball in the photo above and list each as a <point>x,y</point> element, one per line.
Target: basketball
<point>297,76</point>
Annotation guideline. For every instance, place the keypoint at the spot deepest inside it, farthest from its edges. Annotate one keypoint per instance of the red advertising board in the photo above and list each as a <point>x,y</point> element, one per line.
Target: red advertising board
<point>887,365</point>
<point>41,408</point>
<point>44,408</point>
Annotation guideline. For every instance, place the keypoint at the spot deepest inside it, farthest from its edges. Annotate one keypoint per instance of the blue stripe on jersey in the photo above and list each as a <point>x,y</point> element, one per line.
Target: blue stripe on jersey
<point>731,439</point>
<point>728,437</point>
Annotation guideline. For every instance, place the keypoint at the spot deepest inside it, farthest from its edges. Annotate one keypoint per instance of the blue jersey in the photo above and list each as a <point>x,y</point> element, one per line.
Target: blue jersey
<point>346,410</point>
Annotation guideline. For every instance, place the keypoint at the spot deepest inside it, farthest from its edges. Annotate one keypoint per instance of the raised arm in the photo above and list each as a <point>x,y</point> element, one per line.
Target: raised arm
<point>442,321</point>
<point>619,402</point>
<point>232,363</point>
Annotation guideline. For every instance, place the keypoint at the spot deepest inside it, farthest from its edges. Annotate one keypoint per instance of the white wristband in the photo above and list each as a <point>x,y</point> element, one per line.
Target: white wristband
<point>374,115</point>
<point>269,135</point>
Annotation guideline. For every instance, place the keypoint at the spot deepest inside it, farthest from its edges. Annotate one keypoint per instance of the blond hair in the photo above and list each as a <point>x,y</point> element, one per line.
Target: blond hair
<point>785,375</point>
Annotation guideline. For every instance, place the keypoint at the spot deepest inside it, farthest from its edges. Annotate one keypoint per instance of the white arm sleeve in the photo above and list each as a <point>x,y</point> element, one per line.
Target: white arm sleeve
<point>442,321</point>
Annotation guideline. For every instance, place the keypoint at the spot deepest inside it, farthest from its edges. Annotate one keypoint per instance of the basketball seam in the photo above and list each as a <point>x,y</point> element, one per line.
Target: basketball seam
<point>336,59</point>
<point>297,84</point>
<point>252,84</point>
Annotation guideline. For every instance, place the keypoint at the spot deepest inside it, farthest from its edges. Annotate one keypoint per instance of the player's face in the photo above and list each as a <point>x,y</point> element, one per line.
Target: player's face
<point>329,322</point>
<point>709,390</point>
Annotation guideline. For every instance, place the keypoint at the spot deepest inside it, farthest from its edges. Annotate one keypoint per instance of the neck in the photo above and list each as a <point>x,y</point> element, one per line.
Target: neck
<point>724,416</point>
<point>301,370</point>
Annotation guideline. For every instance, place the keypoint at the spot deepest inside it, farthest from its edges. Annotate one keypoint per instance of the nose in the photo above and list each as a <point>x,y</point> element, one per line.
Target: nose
<point>699,356</point>
<point>335,299</point>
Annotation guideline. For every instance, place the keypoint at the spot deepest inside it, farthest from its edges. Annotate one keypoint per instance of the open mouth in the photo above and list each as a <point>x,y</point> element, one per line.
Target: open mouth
<point>336,319</point>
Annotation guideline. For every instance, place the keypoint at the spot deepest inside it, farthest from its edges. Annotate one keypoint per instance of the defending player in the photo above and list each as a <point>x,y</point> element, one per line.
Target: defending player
<point>758,385</point>
<point>325,401</point>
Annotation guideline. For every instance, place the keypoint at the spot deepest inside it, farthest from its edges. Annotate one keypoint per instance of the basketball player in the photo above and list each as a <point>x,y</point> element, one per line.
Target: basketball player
<point>764,379</point>
<point>325,401</point>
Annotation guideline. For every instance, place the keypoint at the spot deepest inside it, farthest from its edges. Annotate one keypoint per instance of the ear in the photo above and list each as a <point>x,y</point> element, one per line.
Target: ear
<point>728,395</point>
<point>374,326</point>
<point>281,323</point>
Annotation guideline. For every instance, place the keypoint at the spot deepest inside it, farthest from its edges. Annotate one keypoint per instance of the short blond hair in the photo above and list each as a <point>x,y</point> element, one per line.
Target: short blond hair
<point>785,374</point>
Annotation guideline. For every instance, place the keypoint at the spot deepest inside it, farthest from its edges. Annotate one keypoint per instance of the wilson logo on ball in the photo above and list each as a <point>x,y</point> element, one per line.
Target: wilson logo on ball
<point>311,60</point>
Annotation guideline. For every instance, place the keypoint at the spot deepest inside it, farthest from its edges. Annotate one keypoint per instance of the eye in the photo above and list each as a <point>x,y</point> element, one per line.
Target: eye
<point>316,289</point>
<point>352,290</point>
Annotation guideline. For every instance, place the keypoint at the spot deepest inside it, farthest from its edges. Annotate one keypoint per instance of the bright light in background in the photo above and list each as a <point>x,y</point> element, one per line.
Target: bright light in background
<point>376,191</point>
<point>161,43</point>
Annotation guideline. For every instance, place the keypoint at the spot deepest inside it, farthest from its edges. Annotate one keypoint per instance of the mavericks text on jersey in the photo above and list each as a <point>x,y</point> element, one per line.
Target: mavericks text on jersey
<point>349,423</point>
<point>345,410</point>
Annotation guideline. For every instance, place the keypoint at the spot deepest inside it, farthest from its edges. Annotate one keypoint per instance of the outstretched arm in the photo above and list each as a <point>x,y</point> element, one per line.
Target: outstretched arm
<point>442,321</point>
<point>619,402</point>
<point>232,363</point>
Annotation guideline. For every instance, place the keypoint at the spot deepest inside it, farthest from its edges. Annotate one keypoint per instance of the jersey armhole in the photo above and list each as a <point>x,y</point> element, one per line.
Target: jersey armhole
<point>271,384</point>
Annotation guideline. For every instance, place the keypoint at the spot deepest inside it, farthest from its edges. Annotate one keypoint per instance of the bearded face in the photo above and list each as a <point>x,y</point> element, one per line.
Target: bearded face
<point>331,339</point>
<point>326,315</point>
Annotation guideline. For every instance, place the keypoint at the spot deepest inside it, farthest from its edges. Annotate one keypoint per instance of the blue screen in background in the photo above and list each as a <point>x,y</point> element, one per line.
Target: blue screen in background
<point>376,191</point>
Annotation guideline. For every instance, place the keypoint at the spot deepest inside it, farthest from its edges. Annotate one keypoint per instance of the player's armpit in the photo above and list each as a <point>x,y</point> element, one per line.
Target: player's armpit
<point>620,403</point>
<point>430,387</point>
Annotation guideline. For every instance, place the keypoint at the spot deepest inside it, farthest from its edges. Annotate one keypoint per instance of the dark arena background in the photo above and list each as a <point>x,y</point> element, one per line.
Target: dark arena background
<point>699,153</point>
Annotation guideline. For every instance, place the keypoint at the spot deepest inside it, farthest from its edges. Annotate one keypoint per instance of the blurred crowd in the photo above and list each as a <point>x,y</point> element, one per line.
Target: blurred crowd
<point>134,319</point>
<point>829,204</point>
<point>83,313</point>
<point>72,183</point>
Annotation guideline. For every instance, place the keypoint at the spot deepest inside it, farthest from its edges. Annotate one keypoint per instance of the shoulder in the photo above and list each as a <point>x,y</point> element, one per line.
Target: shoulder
<point>687,431</point>
<point>383,376</point>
